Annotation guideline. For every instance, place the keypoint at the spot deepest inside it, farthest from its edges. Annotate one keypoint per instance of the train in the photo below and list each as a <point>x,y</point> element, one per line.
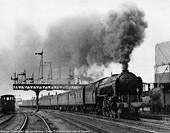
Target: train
<point>158,96</point>
<point>7,103</point>
<point>116,96</point>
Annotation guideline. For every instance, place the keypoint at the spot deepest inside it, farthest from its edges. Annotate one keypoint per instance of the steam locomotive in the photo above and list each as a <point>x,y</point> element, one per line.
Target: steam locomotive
<point>116,96</point>
<point>159,98</point>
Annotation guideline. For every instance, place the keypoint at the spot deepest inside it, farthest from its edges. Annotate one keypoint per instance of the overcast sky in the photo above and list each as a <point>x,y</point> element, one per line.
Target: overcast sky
<point>22,17</point>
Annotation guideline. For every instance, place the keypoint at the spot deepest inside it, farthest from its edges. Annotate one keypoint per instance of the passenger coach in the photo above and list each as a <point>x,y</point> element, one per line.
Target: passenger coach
<point>8,103</point>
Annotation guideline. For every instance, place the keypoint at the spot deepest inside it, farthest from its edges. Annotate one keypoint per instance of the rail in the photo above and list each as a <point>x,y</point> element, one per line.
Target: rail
<point>24,124</point>
<point>48,127</point>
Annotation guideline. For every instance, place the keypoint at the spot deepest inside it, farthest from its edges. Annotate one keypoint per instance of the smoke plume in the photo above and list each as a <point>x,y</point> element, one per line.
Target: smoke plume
<point>124,32</point>
<point>85,42</point>
<point>76,41</point>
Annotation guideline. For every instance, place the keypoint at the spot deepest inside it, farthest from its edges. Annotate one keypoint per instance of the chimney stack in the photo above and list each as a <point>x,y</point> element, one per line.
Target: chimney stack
<point>125,67</point>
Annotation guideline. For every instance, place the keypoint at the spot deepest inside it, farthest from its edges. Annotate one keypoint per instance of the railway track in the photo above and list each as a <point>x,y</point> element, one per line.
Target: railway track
<point>4,119</point>
<point>23,126</point>
<point>34,123</point>
<point>88,122</point>
<point>120,123</point>
<point>13,123</point>
<point>23,122</point>
<point>146,125</point>
<point>99,124</point>
<point>157,123</point>
<point>85,126</point>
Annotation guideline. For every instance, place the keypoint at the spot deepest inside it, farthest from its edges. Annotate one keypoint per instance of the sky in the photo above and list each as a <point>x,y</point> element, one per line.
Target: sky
<point>25,26</point>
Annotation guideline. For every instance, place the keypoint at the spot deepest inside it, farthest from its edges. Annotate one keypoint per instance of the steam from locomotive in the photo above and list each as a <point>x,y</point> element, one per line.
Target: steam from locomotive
<point>124,32</point>
<point>85,41</point>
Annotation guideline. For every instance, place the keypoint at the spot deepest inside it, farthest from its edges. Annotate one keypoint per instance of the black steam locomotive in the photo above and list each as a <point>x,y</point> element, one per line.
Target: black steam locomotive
<point>122,94</point>
<point>115,96</point>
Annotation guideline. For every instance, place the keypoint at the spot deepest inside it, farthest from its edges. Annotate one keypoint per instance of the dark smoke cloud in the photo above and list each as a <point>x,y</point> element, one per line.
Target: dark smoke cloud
<point>76,41</point>
<point>124,32</point>
<point>82,41</point>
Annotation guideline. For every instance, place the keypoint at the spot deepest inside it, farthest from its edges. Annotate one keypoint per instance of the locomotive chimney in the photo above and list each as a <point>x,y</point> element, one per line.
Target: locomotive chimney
<point>124,67</point>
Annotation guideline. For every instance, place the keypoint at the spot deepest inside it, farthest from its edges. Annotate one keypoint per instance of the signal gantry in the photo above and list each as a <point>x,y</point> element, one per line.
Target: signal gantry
<point>21,82</point>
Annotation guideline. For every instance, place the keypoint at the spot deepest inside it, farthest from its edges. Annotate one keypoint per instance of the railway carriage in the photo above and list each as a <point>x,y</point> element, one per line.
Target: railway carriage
<point>8,103</point>
<point>90,97</point>
<point>76,99</point>
<point>63,100</point>
<point>32,102</point>
<point>54,102</point>
<point>78,96</point>
<point>24,103</point>
<point>28,103</point>
<point>45,101</point>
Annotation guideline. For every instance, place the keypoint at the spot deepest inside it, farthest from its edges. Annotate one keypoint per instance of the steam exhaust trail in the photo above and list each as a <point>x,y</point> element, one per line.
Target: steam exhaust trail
<point>124,32</point>
<point>84,42</point>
